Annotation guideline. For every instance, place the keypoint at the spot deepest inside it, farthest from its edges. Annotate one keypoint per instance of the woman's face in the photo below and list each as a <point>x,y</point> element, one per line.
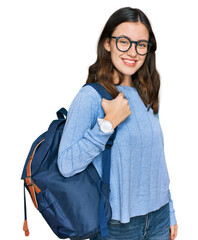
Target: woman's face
<point>134,31</point>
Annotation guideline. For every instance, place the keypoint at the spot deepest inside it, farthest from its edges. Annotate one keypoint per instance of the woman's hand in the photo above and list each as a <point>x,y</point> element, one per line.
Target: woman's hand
<point>173,232</point>
<point>116,110</point>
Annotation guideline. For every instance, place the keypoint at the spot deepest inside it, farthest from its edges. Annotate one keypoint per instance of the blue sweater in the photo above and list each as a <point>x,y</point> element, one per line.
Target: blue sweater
<point>139,178</point>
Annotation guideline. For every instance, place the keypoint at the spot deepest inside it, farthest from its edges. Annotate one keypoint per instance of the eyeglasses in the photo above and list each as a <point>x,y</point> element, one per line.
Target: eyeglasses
<point>123,44</point>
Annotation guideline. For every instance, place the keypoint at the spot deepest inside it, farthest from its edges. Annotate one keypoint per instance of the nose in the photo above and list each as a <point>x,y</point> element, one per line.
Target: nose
<point>132,50</point>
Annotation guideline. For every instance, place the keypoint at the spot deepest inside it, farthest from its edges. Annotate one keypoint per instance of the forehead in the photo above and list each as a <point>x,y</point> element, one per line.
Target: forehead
<point>134,30</point>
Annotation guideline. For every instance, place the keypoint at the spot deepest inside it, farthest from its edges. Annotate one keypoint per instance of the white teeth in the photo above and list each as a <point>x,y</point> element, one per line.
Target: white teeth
<point>128,61</point>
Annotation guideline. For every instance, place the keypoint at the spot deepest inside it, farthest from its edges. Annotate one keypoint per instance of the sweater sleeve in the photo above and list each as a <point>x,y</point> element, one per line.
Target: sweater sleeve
<point>173,220</point>
<point>81,140</point>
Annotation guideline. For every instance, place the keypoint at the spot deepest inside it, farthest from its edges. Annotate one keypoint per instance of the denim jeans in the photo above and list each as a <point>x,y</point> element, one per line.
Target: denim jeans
<point>151,226</point>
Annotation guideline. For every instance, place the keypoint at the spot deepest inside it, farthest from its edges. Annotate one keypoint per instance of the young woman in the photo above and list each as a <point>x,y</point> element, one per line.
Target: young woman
<point>140,198</point>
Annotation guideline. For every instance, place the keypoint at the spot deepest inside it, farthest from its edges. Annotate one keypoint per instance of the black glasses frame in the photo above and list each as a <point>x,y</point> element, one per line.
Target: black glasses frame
<point>136,42</point>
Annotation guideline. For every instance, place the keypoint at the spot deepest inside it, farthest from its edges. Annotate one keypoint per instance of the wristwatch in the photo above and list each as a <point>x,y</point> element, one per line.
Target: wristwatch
<point>105,125</point>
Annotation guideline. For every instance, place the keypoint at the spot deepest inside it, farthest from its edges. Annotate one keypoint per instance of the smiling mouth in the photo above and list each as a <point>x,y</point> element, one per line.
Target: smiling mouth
<point>129,62</point>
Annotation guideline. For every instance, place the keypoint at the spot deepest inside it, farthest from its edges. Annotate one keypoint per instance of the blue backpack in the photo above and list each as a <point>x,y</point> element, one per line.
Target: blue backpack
<point>76,207</point>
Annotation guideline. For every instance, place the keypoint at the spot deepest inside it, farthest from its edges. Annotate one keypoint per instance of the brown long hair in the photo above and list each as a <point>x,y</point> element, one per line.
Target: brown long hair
<point>146,80</point>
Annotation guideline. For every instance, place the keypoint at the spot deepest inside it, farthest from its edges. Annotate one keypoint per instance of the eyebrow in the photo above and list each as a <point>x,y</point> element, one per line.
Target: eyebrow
<point>130,38</point>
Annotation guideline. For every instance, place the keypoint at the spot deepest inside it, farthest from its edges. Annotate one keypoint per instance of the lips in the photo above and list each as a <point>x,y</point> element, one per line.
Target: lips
<point>129,62</point>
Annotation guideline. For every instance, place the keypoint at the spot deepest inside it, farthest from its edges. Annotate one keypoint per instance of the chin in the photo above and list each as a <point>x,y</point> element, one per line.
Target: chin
<point>129,73</point>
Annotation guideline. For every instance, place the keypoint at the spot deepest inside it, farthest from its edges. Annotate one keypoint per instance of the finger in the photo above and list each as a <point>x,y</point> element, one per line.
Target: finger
<point>175,233</point>
<point>121,94</point>
<point>171,233</point>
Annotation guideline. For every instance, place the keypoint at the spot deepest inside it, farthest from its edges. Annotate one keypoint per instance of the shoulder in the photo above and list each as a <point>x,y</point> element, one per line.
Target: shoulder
<point>89,91</point>
<point>86,98</point>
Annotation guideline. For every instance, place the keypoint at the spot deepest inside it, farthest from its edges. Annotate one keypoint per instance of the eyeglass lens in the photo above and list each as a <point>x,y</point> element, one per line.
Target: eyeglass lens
<point>123,44</point>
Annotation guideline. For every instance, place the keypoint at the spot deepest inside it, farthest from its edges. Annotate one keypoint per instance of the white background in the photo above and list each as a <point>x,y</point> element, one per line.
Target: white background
<point>46,48</point>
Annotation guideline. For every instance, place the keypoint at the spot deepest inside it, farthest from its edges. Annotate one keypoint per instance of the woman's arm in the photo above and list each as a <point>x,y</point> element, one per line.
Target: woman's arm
<point>81,140</point>
<point>173,220</point>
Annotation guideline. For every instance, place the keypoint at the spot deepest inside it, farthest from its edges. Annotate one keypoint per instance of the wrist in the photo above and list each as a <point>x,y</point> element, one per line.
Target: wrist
<point>114,125</point>
<point>105,125</point>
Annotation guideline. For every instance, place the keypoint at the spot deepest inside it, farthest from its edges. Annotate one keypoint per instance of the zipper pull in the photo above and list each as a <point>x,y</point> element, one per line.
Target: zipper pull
<point>25,228</point>
<point>25,225</point>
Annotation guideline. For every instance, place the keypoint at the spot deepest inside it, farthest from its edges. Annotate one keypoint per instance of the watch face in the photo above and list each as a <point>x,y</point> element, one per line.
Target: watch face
<point>106,126</point>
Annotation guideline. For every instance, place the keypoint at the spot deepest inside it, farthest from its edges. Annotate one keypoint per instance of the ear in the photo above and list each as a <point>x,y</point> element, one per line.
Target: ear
<point>107,44</point>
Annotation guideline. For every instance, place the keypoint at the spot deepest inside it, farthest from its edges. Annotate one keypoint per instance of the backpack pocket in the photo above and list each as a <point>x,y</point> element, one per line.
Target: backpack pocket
<point>53,214</point>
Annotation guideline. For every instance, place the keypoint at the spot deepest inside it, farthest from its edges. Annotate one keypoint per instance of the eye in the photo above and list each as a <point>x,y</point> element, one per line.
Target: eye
<point>143,44</point>
<point>123,42</point>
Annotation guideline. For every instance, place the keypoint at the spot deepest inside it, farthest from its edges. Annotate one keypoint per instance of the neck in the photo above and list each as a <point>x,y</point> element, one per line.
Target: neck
<point>127,83</point>
<point>127,80</point>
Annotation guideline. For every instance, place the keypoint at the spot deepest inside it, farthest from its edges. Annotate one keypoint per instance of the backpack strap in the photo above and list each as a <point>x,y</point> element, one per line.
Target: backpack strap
<point>106,163</point>
<point>106,154</point>
<point>60,114</point>
<point>25,225</point>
